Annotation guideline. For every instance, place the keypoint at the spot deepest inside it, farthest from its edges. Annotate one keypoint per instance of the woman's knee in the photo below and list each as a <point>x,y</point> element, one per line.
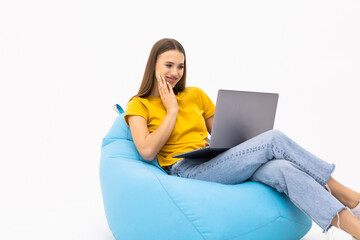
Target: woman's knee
<point>278,134</point>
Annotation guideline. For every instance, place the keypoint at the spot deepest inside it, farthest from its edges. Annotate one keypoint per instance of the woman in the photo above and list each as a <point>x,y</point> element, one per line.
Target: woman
<point>166,119</point>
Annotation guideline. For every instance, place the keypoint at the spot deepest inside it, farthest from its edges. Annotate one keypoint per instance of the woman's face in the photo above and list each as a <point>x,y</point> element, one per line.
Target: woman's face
<point>170,65</point>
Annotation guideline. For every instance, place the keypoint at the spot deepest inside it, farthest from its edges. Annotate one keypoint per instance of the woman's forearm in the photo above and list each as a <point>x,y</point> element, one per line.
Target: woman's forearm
<point>157,139</point>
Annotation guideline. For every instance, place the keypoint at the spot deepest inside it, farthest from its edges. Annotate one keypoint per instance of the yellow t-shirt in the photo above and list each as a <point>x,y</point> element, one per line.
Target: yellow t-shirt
<point>190,130</point>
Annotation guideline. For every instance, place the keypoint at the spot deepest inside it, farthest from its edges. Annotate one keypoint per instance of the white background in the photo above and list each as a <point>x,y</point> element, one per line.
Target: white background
<point>63,64</point>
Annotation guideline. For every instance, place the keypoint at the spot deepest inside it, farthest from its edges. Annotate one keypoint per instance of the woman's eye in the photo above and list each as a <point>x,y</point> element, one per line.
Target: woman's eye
<point>169,65</point>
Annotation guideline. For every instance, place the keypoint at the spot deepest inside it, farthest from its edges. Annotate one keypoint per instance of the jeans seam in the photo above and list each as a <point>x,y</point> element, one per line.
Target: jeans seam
<point>248,151</point>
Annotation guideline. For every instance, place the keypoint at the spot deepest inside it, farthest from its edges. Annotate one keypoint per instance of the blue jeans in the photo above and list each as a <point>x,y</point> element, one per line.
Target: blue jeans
<point>273,159</point>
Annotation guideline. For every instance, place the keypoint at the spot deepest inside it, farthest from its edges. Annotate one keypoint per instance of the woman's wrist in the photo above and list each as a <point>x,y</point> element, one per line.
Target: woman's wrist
<point>172,112</point>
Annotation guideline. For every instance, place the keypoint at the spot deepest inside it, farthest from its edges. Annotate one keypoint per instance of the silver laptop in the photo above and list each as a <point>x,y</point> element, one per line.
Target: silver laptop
<point>239,116</point>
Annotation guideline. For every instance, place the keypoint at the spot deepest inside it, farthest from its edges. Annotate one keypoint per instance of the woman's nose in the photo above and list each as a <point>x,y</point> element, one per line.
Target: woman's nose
<point>175,72</point>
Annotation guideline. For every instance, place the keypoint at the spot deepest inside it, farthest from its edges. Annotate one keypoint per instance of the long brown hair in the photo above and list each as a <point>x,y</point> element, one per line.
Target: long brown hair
<point>149,78</point>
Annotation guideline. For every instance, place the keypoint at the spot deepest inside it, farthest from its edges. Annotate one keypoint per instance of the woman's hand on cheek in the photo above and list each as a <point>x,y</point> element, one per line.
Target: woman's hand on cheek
<point>167,95</point>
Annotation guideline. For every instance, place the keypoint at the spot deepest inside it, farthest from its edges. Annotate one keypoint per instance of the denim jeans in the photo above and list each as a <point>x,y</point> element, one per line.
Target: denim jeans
<point>273,159</point>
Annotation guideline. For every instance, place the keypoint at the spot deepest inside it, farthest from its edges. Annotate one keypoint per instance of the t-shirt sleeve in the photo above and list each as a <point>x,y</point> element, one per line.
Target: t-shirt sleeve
<point>136,107</point>
<point>208,105</point>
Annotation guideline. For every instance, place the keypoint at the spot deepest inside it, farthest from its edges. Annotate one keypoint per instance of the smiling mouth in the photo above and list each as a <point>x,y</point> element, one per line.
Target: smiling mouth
<point>171,79</point>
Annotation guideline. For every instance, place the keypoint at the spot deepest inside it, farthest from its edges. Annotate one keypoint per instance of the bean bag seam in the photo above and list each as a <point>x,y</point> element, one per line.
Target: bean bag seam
<point>167,193</point>
<point>290,220</point>
<point>256,229</point>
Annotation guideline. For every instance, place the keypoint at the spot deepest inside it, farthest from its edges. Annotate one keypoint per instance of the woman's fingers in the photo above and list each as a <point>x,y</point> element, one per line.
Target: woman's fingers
<point>164,86</point>
<point>168,87</point>
<point>161,86</point>
<point>171,89</point>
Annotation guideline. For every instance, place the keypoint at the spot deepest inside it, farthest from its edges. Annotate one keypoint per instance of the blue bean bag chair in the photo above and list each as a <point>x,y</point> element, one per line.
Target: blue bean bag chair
<point>142,202</point>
